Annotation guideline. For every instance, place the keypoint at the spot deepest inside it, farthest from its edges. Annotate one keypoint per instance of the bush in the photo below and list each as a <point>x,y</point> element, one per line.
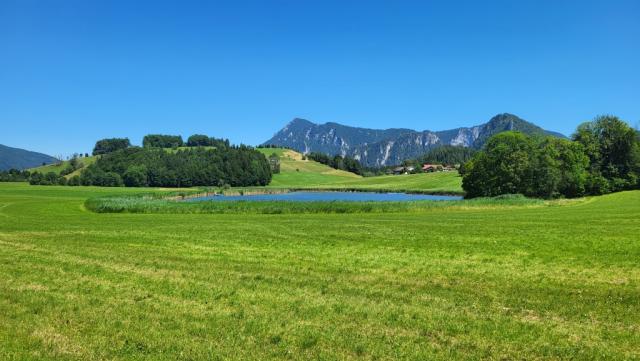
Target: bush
<point>74,181</point>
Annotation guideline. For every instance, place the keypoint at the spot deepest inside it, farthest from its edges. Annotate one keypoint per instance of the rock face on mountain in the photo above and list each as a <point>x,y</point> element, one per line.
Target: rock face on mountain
<point>21,159</point>
<point>375,148</point>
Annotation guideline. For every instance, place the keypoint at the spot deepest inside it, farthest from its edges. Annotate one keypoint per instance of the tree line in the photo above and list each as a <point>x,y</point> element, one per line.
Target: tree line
<point>337,162</point>
<point>208,162</point>
<point>602,156</point>
<point>141,167</point>
<point>109,145</point>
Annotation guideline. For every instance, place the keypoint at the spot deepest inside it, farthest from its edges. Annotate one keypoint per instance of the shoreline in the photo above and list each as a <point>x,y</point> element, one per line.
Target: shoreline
<point>252,192</point>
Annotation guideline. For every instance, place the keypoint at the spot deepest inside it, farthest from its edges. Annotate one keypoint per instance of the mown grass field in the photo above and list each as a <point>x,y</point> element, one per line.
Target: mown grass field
<point>542,282</point>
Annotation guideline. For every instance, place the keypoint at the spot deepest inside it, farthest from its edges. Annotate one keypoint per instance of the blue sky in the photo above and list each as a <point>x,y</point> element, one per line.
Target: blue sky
<point>72,72</point>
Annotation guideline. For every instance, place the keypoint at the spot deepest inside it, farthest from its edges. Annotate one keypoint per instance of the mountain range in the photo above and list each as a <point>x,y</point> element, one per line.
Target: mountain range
<point>16,158</point>
<point>376,147</point>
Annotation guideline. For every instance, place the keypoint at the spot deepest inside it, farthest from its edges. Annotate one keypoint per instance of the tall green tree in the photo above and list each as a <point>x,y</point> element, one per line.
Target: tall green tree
<point>109,145</point>
<point>503,167</point>
<point>612,148</point>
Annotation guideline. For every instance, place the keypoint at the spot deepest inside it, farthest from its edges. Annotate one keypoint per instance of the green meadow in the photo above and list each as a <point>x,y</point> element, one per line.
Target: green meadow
<point>307,174</point>
<point>60,166</point>
<point>535,280</point>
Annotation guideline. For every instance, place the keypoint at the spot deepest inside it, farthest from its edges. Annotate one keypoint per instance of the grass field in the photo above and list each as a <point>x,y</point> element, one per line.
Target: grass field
<point>558,282</point>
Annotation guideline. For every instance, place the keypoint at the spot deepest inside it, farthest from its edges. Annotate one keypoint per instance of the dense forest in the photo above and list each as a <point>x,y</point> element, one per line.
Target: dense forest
<point>447,154</point>
<point>162,141</point>
<point>140,167</point>
<point>602,157</point>
<point>208,162</point>
<point>337,162</point>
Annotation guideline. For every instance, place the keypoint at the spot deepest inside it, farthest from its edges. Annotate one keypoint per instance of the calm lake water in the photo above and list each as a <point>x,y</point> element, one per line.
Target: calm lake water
<point>331,196</point>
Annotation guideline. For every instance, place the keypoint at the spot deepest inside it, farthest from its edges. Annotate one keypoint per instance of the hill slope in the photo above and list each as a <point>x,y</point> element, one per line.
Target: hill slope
<point>308,174</point>
<point>391,146</point>
<point>17,158</point>
<point>295,172</point>
<point>59,166</point>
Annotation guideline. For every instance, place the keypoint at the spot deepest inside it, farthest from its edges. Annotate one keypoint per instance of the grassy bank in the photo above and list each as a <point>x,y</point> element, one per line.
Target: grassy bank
<point>158,203</point>
<point>531,282</point>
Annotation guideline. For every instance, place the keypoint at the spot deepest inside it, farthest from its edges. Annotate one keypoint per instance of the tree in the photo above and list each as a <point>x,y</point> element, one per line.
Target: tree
<point>74,181</point>
<point>237,166</point>
<point>135,176</point>
<point>612,148</point>
<point>447,154</point>
<point>274,163</point>
<point>503,167</point>
<point>559,169</point>
<point>162,141</point>
<point>109,145</point>
<point>198,140</point>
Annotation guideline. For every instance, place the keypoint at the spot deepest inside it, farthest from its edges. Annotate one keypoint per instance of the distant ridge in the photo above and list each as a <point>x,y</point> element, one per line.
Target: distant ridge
<point>17,158</point>
<point>376,147</point>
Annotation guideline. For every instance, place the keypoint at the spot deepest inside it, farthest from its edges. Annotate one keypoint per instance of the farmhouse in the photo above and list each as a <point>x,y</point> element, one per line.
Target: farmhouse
<point>431,167</point>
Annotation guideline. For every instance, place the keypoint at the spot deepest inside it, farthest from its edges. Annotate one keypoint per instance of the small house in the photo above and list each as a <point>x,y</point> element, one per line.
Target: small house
<point>428,168</point>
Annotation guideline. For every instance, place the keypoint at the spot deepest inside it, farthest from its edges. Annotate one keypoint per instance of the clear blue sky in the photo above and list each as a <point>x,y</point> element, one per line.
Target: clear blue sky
<point>72,72</point>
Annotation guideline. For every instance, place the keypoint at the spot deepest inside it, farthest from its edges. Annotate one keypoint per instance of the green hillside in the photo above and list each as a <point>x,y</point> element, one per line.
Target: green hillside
<point>295,172</point>
<point>558,281</point>
<point>308,174</point>
<point>59,166</point>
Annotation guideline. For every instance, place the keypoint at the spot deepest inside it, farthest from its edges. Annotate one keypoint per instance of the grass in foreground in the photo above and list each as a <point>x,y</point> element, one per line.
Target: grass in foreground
<point>514,283</point>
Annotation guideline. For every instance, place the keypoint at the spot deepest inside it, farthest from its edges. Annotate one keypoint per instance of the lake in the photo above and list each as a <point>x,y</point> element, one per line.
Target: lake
<point>331,196</point>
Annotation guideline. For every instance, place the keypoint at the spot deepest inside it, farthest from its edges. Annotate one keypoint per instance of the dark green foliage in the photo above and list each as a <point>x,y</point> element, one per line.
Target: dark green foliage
<point>613,149</point>
<point>199,140</point>
<point>236,166</point>
<point>135,176</point>
<point>504,167</point>
<point>162,141</point>
<point>337,162</point>
<point>603,157</point>
<point>98,177</point>
<point>50,178</point>
<point>74,181</point>
<point>447,154</point>
<point>109,145</point>
<point>14,175</point>
<point>560,169</point>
